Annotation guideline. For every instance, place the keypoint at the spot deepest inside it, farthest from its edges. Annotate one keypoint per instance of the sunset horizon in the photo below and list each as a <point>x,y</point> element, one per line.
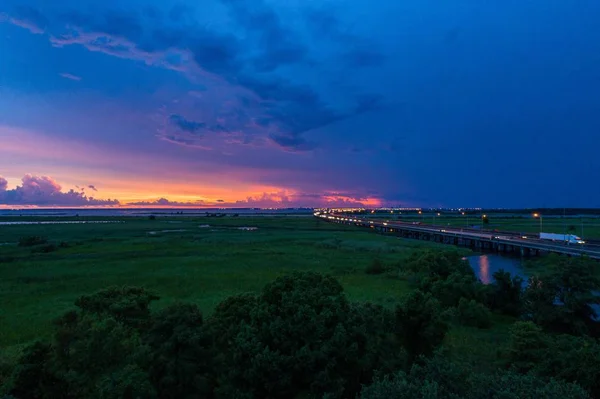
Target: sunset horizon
<point>268,104</point>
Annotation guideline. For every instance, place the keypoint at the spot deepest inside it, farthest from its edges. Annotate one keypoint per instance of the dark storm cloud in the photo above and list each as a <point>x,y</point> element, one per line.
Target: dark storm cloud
<point>292,143</point>
<point>355,51</point>
<point>185,124</point>
<point>44,191</point>
<point>277,44</point>
<point>216,53</point>
<point>179,12</point>
<point>363,57</point>
<point>296,109</point>
<point>285,108</point>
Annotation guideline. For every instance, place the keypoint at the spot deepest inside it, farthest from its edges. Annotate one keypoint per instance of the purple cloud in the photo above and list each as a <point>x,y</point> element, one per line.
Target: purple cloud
<point>283,107</point>
<point>44,191</point>
<point>292,143</point>
<point>29,18</point>
<point>185,124</point>
<point>70,76</point>
<point>3,184</point>
<point>92,187</point>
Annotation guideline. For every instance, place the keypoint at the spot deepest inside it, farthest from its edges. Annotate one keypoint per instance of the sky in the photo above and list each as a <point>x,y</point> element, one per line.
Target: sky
<point>273,103</point>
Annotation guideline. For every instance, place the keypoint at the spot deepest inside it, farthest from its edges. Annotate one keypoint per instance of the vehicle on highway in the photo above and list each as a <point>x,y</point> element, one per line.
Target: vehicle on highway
<point>568,238</point>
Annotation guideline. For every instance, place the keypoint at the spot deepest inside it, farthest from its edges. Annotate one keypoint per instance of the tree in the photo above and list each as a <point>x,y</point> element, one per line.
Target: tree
<point>562,357</point>
<point>510,385</point>
<point>526,347</point>
<point>561,299</point>
<point>572,359</point>
<point>456,286</point>
<point>438,265</point>
<point>130,382</point>
<point>91,345</point>
<point>419,324</point>
<point>301,335</point>
<point>506,293</point>
<point>180,363</point>
<point>230,317</point>
<point>439,378</point>
<point>472,313</point>
<point>32,378</point>
<point>427,378</point>
<point>90,348</point>
<point>129,305</point>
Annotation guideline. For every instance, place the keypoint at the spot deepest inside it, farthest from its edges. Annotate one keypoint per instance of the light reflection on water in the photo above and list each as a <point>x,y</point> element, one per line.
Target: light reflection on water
<point>484,269</point>
<point>486,265</point>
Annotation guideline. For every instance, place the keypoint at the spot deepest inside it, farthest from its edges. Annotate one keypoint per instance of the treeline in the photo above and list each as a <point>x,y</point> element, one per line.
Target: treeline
<point>302,338</point>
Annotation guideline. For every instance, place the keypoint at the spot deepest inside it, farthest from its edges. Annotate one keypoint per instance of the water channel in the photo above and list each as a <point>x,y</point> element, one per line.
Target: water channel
<point>485,265</point>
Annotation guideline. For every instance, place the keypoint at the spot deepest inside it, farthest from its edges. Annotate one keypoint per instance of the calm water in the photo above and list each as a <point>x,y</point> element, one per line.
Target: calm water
<point>487,264</point>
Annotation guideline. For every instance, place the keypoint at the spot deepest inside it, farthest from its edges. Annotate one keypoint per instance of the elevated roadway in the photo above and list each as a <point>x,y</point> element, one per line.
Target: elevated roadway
<point>473,238</point>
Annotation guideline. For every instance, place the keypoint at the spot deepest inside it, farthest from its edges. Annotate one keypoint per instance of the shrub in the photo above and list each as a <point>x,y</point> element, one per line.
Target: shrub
<point>44,249</point>
<point>471,313</point>
<point>376,267</point>
<point>439,378</point>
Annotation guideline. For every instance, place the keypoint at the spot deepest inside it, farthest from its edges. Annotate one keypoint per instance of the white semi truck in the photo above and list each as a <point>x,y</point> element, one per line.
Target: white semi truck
<point>568,238</point>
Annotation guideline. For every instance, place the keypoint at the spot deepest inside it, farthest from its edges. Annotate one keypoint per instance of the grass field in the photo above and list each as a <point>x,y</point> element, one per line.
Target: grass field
<point>182,260</point>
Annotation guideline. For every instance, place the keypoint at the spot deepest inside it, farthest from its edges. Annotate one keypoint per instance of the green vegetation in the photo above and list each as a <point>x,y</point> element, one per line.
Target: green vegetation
<point>182,261</point>
<point>295,309</point>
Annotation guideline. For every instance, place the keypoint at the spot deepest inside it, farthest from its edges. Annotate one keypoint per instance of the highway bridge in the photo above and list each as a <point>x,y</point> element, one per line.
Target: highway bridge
<point>476,239</point>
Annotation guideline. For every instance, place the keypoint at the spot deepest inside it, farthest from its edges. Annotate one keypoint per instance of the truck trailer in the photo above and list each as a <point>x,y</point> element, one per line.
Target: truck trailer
<point>568,238</point>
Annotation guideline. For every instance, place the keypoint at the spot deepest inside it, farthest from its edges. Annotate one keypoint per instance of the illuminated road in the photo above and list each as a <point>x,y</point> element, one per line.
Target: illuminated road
<point>492,238</point>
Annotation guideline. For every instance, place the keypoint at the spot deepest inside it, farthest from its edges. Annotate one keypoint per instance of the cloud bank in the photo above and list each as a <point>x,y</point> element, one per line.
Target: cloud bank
<point>249,62</point>
<point>44,191</point>
<point>163,202</point>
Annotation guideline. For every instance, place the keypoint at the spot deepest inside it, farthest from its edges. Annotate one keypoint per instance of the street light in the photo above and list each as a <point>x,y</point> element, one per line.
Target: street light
<point>539,215</point>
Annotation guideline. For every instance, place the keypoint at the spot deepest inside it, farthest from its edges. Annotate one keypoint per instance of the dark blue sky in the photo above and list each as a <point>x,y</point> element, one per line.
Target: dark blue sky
<point>289,103</point>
